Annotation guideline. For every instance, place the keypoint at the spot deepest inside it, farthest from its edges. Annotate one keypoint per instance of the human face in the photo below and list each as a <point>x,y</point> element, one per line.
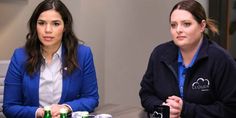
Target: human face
<point>50,28</point>
<point>185,30</point>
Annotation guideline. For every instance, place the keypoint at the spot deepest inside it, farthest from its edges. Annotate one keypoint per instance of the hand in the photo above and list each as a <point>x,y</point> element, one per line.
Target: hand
<point>40,113</point>
<point>55,110</point>
<point>175,103</point>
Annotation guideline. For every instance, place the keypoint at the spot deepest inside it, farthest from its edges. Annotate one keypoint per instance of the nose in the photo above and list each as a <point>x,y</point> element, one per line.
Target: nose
<point>48,28</point>
<point>179,29</point>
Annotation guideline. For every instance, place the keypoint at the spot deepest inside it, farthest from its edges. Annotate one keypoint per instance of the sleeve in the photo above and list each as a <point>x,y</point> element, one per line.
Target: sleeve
<point>88,99</point>
<point>147,94</point>
<point>13,105</point>
<point>224,89</point>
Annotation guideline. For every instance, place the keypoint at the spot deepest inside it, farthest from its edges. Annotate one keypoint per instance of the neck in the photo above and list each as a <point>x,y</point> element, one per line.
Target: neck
<point>189,53</point>
<point>48,52</point>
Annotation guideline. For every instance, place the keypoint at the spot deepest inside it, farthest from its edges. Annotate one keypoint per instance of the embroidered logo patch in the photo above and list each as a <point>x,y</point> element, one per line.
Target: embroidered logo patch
<point>201,84</point>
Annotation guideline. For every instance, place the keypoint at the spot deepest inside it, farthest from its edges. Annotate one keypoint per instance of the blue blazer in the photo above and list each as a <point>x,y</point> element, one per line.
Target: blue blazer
<point>21,91</point>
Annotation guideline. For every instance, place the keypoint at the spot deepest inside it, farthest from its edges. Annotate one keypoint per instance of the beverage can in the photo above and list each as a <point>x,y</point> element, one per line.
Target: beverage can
<point>63,113</point>
<point>103,116</point>
<point>47,112</point>
<point>80,114</point>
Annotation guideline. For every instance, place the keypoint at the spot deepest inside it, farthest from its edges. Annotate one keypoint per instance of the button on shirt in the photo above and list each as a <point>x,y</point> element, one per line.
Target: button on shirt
<point>182,69</point>
<point>50,86</point>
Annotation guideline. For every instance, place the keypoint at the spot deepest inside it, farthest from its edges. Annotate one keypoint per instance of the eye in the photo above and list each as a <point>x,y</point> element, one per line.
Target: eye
<point>186,24</point>
<point>56,24</point>
<point>40,23</point>
<point>173,25</point>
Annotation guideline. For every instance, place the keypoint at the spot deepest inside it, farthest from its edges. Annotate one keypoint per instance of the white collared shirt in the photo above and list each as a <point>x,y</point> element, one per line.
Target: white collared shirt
<point>50,86</point>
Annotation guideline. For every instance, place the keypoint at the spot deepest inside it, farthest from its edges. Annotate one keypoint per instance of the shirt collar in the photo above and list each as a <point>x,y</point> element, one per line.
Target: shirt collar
<point>58,52</point>
<point>180,58</point>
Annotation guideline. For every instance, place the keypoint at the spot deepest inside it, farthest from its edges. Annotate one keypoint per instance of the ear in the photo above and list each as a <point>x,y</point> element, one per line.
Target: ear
<point>203,25</point>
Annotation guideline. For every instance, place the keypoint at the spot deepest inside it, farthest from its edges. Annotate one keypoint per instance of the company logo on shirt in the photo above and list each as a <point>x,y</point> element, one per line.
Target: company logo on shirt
<point>201,84</point>
<point>157,115</point>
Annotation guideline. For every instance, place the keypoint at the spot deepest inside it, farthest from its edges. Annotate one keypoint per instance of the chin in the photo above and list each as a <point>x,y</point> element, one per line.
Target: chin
<point>46,44</point>
<point>180,44</point>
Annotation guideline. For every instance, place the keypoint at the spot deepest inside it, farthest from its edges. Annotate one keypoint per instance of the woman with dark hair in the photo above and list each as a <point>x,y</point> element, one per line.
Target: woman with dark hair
<point>191,74</point>
<point>53,69</point>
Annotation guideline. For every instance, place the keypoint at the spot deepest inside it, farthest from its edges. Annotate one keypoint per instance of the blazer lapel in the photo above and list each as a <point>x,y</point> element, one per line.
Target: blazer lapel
<point>33,90</point>
<point>65,79</point>
<point>65,84</point>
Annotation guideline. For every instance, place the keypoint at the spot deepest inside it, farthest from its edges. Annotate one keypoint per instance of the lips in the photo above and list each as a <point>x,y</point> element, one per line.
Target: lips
<point>181,37</point>
<point>47,38</point>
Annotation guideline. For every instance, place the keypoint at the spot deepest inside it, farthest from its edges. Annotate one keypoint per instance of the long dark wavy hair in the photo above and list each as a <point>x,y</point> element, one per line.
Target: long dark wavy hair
<point>69,41</point>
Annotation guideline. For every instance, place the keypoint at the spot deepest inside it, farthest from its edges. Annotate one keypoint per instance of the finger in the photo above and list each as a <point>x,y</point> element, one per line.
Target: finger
<point>173,103</point>
<point>55,110</point>
<point>174,111</point>
<point>174,116</point>
<point>176,98</point>
<point>56,116</point>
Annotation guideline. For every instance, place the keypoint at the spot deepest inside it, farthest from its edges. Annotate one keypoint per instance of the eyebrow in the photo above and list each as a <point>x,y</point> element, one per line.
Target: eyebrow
<point>186,21</point>
<point>50,21</point>
<point>181,21</point>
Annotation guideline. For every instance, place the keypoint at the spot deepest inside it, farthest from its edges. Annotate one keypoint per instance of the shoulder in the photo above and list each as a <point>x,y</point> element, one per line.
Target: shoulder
<point>19,54</point>
<point>218,53</point>
<point>20,51</point>
<point>165,49</point>
<point>83,50</point>
<point>18,60</point>
<point>84,53</point>
<point>165,46</point>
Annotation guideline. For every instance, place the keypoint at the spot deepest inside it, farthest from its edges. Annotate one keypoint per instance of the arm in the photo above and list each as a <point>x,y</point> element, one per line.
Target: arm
<point>13,101</point>
<point>88,98</point>
<point>147,93</point>
<point>224,89</point>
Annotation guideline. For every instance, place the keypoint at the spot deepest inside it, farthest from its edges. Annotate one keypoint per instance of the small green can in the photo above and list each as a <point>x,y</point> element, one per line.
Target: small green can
<point>85,116</point>
<point>47,112</point>
<point>63,113</point>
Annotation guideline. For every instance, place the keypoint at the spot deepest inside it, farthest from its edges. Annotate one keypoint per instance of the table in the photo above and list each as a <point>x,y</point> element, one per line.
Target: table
<point>121,111</point>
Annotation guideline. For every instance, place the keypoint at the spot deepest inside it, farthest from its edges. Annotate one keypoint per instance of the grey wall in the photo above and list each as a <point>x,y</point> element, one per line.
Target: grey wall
<point>232,37</point>
<point>121,33</point>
